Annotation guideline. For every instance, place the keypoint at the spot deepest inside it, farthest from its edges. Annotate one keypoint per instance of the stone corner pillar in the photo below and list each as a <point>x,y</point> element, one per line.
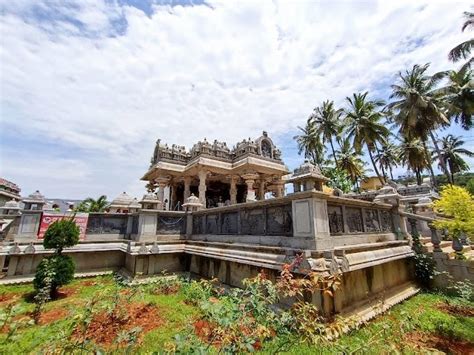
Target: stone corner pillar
<point>310,220</point>
<point>187,187</point>
<point>162,183</point>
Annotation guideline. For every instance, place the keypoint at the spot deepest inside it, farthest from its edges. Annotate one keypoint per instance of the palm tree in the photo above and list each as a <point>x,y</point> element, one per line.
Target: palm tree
<point>364,125</point>
<point>328,120</point>
<point>310,143</point>
<point>418,109</point>
<point>91,205</point>
<point>463,50</point>
<point>413,156</point>
<point>458,96</point>
<point>350,161</point>
<point>451,151</point>
<point>388,157</point>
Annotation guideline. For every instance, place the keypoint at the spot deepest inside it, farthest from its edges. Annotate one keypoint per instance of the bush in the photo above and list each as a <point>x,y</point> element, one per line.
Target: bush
<point>57,270</point>
<point>60,268</point>
<point>61,234</point>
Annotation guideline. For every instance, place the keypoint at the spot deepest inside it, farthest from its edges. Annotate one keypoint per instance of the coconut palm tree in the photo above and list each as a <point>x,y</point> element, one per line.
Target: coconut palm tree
<point>363,121</point>
<point>451,153</point>
<point>388,157</point>
<point>463,50</point>
<point>458,96</point>
<point>419,108</point>
<point>91,205</point>
<point>413,156</point>
<point>310,143</point>
<point>328,121</point>
<point>350,161</point>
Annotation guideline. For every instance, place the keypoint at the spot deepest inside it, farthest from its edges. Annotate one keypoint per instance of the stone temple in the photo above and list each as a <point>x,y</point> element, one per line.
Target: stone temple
<point>218,175</point>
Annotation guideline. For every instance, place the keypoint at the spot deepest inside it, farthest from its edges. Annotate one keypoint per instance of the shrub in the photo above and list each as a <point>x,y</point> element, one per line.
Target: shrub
<point>61,234</point>
<point>57,270</point>
<point>60,268</point>
<point>457,205</point>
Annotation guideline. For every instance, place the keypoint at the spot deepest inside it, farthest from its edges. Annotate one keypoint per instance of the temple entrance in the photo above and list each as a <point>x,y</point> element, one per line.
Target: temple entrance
<point>241,193</point>
<point>217,192</point>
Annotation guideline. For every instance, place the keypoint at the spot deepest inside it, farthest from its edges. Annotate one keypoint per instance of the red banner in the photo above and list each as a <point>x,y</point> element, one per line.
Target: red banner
<point>47,218</point>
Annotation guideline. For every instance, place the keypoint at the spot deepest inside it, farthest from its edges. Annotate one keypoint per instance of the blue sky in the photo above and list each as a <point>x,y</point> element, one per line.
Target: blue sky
<point>88,86</point>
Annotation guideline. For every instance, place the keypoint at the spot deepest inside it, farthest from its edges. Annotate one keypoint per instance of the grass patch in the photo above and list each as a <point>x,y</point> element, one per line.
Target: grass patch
<point>428,321</point>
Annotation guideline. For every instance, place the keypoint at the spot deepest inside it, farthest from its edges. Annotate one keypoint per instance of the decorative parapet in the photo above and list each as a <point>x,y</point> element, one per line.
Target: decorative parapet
<point>262,147</point>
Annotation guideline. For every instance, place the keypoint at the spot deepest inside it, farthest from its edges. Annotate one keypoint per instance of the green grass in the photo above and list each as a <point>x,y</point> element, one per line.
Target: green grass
<point>387,334</point>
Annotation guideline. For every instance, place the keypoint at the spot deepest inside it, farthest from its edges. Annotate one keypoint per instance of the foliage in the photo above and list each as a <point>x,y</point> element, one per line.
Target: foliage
<point>464,290</point>
<point>53,272</point>
<point>92,205</point>
<point>61,234</point>
<point>451,153</point>
<point>425,267</point>
<point>309,142</point>
<point>338,179</point>
<point>470,186</point>
<point>457,205</point>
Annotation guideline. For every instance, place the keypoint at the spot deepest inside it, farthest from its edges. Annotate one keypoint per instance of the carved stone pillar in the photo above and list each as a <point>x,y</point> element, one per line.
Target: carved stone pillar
<point>173,188</point>
<point>162,183</point>
<point>261,190</point>
<point>233,189</point>
<point>249,179</point>
<point>202,187</point>
<point>187,187</point>
<point>279,189</point>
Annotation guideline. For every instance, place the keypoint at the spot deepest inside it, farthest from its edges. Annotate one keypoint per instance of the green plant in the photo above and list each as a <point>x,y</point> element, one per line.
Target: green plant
<point>61,234</point>
<point>456,204</point>
<point>58,269</point>
<point>464,290</point>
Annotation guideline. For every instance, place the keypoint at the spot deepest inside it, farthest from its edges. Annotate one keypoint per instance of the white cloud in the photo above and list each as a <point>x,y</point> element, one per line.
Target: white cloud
<point>224,71</point>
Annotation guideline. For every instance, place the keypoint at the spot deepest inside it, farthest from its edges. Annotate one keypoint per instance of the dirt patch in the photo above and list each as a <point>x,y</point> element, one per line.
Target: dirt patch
<point>105,327</point>
<point>65,292</point>
<point>423,341</point>
<point>171,289</point>
<point>456,310</point>
<point>52,316</point>
<point>9,298</point>
<point>88,283</point>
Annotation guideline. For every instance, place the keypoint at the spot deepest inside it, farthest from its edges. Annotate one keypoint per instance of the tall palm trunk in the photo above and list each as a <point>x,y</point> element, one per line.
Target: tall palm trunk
<point>381,164</point>
<point>442,162</point>
<point>374,165</point>
<point>430,164</point>
<point>333,151</point>
<point>391,172</point>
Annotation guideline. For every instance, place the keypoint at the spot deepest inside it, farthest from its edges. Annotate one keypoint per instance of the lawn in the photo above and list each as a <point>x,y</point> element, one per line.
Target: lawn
<point>101,314</point>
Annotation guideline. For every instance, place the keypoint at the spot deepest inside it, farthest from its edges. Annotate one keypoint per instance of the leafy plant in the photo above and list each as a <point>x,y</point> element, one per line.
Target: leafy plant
<point>58,269</point>
<point>456,204</point>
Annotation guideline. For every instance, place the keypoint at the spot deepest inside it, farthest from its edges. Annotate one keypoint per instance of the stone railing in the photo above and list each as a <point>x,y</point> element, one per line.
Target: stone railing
<point>264,218</point>
<point>347,216</point>
<point>105,223</point>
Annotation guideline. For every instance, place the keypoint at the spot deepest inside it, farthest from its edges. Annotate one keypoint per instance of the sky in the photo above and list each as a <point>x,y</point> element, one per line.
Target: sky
<point>88,86</point>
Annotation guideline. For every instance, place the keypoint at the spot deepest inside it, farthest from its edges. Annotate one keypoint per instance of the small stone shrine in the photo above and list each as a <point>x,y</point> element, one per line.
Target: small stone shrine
<point>216,174</point>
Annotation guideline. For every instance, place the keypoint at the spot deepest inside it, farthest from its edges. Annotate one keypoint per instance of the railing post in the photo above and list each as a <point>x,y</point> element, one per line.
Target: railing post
<point>435,239</point>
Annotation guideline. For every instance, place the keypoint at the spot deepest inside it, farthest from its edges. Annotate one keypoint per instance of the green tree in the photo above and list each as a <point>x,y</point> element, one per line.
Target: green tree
<point>457,205</point>
<point>388,157</point>
<point>470,186</point>
<point>451,154</point>
<point>328,123</point>
<point>91,205</point>
<point>310,143</point>
<point>458,96</point>
<point>350,162</point>
<point>58,269</point>
<point>418,109</point>
<point>412,155</point>
<point>338,179</point>
<point>463,50</point>
<point>365,128</point>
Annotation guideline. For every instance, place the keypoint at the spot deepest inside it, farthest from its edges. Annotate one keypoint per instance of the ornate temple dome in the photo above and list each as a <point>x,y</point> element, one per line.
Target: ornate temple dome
<point>35,197</point>
<point>12,205</point>
<point>122,200</point>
